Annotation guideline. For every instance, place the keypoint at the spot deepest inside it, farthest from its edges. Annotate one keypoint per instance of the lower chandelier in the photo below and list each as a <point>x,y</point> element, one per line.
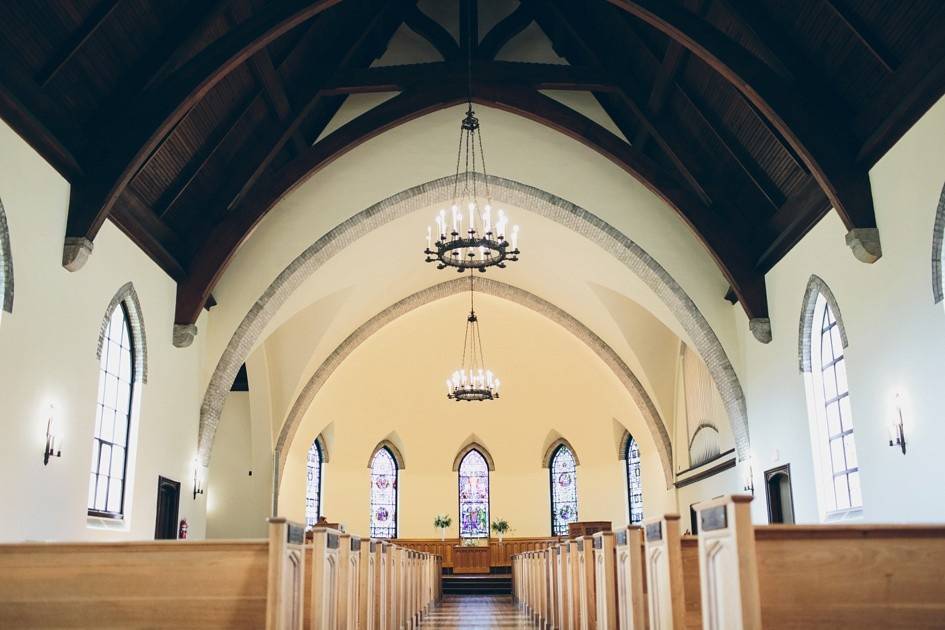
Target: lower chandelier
<point>472,381</point>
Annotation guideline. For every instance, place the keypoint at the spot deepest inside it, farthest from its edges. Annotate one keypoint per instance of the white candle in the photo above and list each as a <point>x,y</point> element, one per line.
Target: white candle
<point>514,237</point>
<point>429,237</point>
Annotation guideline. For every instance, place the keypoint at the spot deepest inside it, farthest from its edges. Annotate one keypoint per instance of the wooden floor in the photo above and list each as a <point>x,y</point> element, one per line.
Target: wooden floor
<point>476,611</point>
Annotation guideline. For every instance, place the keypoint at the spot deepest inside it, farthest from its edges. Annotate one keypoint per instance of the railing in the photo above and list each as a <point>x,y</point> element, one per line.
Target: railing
<point>500,552</point>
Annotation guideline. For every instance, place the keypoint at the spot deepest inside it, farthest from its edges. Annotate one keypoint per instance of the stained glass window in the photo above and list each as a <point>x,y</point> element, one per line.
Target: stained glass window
<point>112,418</point>
<point>383,495</point>
<point>474,496</point>
<point>313,484</point>
<point>563,490</point>
<point>839,427</point>
<point>634,482</point>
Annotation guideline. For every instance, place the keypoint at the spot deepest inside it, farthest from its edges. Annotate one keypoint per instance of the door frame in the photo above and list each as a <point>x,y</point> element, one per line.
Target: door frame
<point>779,470</point>
<point>162,481</point>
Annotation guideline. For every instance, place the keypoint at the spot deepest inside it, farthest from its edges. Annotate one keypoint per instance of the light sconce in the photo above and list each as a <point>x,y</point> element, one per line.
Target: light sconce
<point>749,480</point>
<point>199,486</point>
<point>897,435</point>
<point>53,442</point>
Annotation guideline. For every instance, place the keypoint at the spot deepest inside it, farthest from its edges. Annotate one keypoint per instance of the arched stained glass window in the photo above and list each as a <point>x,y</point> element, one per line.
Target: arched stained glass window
<point>841,449</point>
<point>634,482</point>
<point>383,495</point>
<point>112,418</point>
<point>313,484</point>
<point>563,490</point>
<point>474,496</point>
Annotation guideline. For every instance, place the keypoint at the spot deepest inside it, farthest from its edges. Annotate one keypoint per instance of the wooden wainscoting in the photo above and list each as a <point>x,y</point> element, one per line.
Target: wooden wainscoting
<point>499,553</point>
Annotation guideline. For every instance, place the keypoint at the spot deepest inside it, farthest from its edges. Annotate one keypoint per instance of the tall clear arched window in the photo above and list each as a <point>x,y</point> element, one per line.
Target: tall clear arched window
<point>474,496</point>
<point>563,490</point>
<point>383,495</point>
<point>634,482</point>
<point>313,484</point>
<point>830,385</point>
<point>112,418</point>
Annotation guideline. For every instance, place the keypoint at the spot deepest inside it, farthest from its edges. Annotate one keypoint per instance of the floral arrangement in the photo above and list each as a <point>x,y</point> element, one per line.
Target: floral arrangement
<point>500,526</point>
<point>442,522</point>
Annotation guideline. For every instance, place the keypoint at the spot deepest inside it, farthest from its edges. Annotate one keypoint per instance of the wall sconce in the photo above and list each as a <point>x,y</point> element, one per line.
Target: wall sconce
<point>198,482</point>
<point>53,442</point>
<point>897,436</point>
<point>749,478</point>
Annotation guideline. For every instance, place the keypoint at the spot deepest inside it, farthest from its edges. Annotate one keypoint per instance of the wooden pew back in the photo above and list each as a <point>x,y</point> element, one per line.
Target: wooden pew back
<point>631,598</point>
<point>326,578</point>
<point>605,575</point>
<point>666,594</point>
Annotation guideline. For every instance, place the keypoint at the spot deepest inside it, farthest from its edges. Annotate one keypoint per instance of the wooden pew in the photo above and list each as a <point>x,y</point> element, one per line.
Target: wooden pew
<point>565,613</point>
<point>585,584</point>
<point>820,576</point>
<point>551,562</point>
<point>672,576</point>
<point>368,586</point>
<point>631,597</point>
<point>326,579</point>
<point>349,582</point>
<point>605,581</point>
<point>156,584</point>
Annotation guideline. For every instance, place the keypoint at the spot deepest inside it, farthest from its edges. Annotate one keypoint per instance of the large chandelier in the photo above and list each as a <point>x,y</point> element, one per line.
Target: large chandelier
<point>472,381</point>
<point>471,236</point>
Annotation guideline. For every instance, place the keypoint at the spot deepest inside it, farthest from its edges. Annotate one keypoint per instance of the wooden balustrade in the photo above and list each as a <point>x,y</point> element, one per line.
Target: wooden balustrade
<point>500,553</point>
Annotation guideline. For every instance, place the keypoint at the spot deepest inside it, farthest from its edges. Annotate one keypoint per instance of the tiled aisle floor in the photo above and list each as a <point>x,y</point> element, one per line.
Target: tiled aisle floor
<point>476,611</point>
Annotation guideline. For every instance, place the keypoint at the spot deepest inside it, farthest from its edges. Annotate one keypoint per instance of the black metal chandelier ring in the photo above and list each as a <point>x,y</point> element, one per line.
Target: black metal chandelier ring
<point>471,253</point>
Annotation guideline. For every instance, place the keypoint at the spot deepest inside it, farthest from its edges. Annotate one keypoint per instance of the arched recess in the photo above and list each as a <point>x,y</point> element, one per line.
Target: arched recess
<point>815,286</point>
<point>394,451</point>
<point>322,447</point>
<point>497,289</point>
<point>473,446</point>
<point>127,295</point>
<point>938,235</point>
<point>550,452</point>
<point>6,264</point>
<point>504,191</point>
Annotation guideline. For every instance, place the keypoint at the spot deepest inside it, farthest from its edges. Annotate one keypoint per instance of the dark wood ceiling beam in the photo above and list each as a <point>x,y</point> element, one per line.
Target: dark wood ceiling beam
<point>431,30</point>
<point>826,145</point>
<point>150,233</point>
<point>361,41</point>
<point>38,119</point>
<point>468,27</point>
<point>75,42</point>
<point>274,89</point>
<point>503,32</point>
<point>541,76</point>
<point>796,217</point>
<point>210,262</point>
<point>864,34</point>
<point>122,148</point>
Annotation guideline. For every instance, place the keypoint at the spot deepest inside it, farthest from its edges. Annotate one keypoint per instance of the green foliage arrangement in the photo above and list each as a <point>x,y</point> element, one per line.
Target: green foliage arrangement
<point>500,526</point>
<point>442,522</point>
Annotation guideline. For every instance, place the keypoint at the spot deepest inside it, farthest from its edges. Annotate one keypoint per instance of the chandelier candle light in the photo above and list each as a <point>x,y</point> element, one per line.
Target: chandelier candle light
<point>471,236</point>
<point>472,381</point>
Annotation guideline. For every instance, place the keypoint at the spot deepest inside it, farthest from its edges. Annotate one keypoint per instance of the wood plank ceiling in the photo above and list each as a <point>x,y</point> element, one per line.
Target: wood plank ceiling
<point>184,122</point>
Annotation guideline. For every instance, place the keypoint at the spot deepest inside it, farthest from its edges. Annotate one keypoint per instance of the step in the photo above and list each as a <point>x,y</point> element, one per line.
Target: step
<point>477,584</point>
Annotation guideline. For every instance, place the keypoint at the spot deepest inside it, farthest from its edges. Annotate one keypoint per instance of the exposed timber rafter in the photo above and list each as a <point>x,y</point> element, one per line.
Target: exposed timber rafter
<point>540,76</point>
<point>827,145</point>
<point>503,32</point>
<point>210,262</point>
<point>431,30</point>
<point>133,137</point>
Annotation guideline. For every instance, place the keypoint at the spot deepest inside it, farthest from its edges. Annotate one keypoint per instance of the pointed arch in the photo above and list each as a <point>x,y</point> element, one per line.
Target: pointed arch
<point>473,471</point>
<point>394,451</point>
<point>630,455</point>
<point>553,448</point>
<point>385,474</point>
<point>473,446</point>
<point>815,287</point>
<point>938,235</point>
<point>562,486</point>
<point>128,297</point>
<point>316,458</point>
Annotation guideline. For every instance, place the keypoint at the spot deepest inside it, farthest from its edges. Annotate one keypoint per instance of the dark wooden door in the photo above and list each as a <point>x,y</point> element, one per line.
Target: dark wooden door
<point>168,502</point>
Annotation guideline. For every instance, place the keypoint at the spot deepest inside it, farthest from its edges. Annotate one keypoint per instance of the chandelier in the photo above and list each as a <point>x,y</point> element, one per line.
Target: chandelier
<point>471,237</point>
<point>472,381</point>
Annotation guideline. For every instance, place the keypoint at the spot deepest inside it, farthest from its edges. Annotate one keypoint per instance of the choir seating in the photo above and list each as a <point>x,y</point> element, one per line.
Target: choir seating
<point>156,584</point>
<point>819,576</point>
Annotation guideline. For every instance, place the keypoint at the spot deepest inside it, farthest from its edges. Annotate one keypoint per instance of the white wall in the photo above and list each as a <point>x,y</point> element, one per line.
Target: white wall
<point>48,356</point>
<point>896,344</point>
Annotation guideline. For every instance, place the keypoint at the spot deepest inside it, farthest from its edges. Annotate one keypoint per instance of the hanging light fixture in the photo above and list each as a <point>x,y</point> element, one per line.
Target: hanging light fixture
<point>471,235</point>
<point>472,381</point>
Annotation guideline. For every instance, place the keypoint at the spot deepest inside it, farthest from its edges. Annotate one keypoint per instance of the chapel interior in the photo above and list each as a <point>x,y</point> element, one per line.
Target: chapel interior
<point>396,314</point>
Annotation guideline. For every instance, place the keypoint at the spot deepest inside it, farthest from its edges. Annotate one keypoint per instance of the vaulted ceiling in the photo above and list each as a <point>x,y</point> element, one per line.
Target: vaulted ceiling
<point>185,122</point>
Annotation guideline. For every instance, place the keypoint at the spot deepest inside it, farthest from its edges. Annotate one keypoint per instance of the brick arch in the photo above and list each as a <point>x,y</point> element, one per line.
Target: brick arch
<point>504,191</point>
<point>815,287</point>
<point>129,297</point>
<point>938,235</point>
<point>6,264</point>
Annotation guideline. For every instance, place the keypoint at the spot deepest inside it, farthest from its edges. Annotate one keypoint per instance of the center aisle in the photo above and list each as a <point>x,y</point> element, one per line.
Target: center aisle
<point>476,611</point>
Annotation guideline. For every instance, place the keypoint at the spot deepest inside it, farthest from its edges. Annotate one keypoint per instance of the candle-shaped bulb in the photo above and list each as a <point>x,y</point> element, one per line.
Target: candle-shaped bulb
<point>514,237</point>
